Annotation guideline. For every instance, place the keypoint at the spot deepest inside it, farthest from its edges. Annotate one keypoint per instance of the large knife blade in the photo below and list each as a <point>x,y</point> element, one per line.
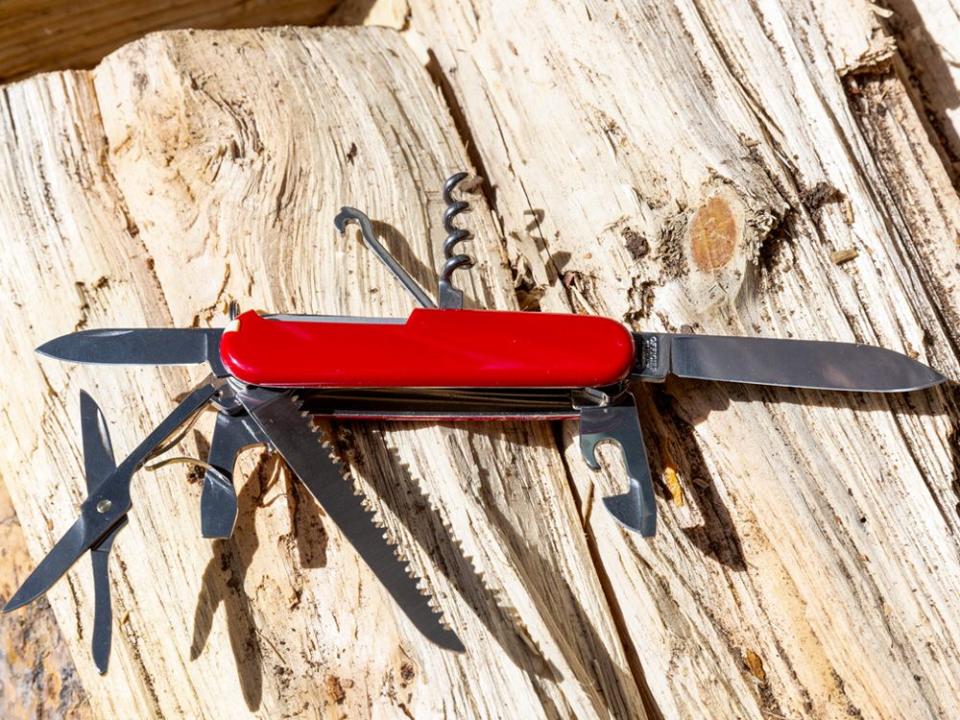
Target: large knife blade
<point>278,415</point>
<point>784,363</point>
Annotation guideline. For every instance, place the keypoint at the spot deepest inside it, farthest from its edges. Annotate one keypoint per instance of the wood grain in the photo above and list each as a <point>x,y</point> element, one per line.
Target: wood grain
<point>806,564</point>
<point>686,163</point>
<point>193,167</point>
<point>926,32</point>
<point>43,35</point>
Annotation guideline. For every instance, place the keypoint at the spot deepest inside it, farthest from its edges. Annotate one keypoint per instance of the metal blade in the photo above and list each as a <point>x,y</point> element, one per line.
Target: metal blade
<point>144,346</point>
<point>784,363</point>
<point>102,610</point>
<point>294,437</point>
<point>218,499</point>
<point>99,464</point>
<point>63,555</point>
<point>635,509</point>
<point>98,460</point>
<point>108,503</point>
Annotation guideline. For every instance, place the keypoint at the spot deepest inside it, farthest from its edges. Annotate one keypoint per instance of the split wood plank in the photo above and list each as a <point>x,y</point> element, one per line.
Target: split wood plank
<point>43,35</point>
<point>194,167</point>
<point>697,162</point>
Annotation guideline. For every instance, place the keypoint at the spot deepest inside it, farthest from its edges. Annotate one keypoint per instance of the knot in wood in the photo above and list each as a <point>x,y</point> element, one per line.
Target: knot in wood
<point>713,234</point>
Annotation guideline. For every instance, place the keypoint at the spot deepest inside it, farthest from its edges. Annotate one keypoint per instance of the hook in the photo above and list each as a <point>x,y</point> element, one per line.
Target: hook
<point>347,214</point>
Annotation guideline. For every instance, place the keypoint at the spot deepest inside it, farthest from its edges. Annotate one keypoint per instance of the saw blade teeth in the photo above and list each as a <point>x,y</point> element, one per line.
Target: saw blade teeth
<point>335,452</point>
<point>374,515</point>
<point>353,508</point>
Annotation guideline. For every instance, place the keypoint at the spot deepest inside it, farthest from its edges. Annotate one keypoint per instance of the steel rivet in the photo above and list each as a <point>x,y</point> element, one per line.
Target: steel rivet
<point>103,506</point>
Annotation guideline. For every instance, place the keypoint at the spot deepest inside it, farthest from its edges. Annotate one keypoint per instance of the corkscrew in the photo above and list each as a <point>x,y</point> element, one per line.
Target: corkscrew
<point>451,297</point>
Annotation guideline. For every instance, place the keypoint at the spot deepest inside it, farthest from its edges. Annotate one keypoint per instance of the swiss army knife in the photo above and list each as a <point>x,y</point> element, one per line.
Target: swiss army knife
<point>270,375</point>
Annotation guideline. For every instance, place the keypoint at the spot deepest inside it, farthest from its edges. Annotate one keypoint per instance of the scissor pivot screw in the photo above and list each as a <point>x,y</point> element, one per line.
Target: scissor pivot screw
<point>104,506</point>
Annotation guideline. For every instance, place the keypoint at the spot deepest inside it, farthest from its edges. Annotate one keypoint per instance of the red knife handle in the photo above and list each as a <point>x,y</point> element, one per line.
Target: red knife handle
<point>433,348</point>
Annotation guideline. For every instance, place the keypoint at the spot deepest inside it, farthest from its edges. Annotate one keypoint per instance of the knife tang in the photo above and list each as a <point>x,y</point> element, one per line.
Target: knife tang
<point>652,356</point>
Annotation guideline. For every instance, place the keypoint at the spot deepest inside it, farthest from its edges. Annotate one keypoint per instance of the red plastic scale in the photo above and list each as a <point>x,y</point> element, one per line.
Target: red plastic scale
<point>432,349</point>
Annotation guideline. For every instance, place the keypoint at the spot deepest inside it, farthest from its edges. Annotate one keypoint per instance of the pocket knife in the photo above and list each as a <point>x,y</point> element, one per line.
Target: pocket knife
<point>270,375</point>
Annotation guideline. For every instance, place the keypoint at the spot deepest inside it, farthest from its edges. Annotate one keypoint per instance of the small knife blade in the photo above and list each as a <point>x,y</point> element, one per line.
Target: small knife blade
<point>137,346</point>
<point>785,363</point>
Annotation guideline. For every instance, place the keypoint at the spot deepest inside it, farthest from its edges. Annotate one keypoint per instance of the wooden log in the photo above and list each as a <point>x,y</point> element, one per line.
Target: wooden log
<point>39,35</point>
<point>194,167</point>
<point>701,163</point>
<point>718,162</point>
<point>43,35</point>
<point>926,32</point>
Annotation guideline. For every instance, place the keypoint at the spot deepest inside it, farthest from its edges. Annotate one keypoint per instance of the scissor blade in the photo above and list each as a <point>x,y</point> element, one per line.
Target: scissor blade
<point>107,505</point>
<point>102,609</point>
<point>292,434</point>
<point>98,461</point>
<point>131,346</point>
<point>785,363</point>
<point>53,566</point>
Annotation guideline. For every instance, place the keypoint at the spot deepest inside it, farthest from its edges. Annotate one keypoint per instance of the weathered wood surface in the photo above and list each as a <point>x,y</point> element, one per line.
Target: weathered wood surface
<point>695,163</point>
<point>42,35</point>
<point>926,32</point>
<point>190,168</point>
<point>700,163</point>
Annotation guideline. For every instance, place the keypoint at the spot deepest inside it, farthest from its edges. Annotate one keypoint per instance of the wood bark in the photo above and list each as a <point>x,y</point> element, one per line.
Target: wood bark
<point>779,170</point>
